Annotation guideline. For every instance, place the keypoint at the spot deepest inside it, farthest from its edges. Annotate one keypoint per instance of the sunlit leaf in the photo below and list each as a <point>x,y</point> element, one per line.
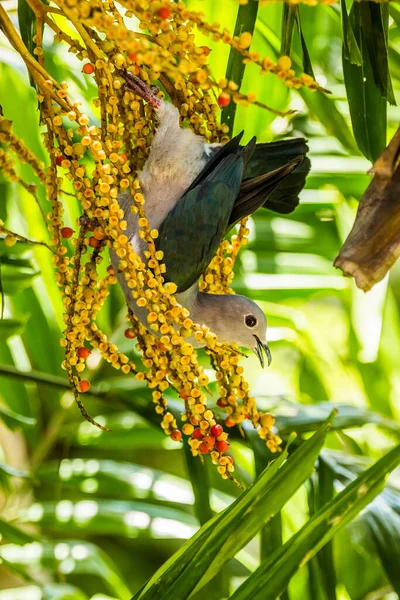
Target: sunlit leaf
<point>320,105</point>
<point>66,557</point>
<point>245,22</point>
<point>15,535</point>
<point>272,577</point>
<point>205,554</point>
<point>308,417</point>
<point>10,327</point>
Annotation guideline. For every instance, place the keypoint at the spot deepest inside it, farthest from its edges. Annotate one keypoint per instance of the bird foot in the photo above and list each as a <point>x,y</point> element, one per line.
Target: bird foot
<point>138,86</point>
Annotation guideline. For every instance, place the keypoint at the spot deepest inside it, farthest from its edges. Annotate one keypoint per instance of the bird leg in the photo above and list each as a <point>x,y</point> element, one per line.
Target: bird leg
<point>136,85</point>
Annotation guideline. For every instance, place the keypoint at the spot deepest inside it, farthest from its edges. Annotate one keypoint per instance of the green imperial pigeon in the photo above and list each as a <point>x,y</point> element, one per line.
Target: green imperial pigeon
<point>195,193</point>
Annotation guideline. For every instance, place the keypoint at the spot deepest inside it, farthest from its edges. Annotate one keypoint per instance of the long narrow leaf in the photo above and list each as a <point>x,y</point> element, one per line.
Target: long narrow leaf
<point>290,18</point>
<point>366,102</point>
<point>27,27</point>
<point>246,20</point>
<point>221,538</point>
<point>374,21</point>
<point>383,525</point>
<point>324,557</point>
<point>319,105</point>
<point>351,50</point>
<point>307,66</point>
<point>288,23</point>
<point>271,578</point>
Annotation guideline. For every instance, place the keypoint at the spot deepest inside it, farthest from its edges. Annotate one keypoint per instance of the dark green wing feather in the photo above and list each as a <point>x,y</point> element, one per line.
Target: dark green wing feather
<point>267,158</point>
<point>192,231</point>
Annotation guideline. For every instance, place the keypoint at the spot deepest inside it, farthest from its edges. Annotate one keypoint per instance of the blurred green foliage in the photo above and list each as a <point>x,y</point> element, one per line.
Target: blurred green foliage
<point>88,514</point>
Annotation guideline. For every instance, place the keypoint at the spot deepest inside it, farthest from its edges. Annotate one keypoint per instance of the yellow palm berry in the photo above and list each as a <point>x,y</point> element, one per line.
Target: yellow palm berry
<point>245,40</point>
<point>267,421</point>
<point>170,287</point>
<point>284,63</point>
<point>188,429</point>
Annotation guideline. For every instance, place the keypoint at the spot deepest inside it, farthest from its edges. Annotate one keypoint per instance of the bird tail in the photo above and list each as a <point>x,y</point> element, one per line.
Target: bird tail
<point>284,178</point>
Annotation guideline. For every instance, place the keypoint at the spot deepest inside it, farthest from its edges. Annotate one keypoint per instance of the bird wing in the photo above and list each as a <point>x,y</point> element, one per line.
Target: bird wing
<point>260,186</point>
<point>192,231</point>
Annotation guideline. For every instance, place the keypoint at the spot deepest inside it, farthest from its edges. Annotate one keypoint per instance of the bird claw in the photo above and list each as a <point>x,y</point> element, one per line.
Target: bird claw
<point>136,85</point>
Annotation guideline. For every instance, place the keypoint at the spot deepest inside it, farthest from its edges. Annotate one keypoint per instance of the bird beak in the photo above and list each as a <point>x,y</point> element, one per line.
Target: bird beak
<point>260,347</point>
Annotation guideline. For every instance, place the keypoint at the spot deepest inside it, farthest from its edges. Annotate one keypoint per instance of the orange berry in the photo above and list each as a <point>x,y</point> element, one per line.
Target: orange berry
<point>223,99</point>
<point>88,69</point>
<point>66,232</point>
<point>221,402</point>
<point>216,430</point>
<point>99,235</point>
<point>123,158</point>
<point>229,422</point>
<point>204,448</point>
<point>132,57</point>
<point>176,435</point>
<point>184,395</point>
<point>230,459</point>
<point>129,334</point>
<point>59,159</point>
<point>93,243</point>
<point>198,434</point>
<point>222,446</point>
<point>209,440</point>
<point>194,421</point>
<point>164,12</point>
<point>84,385</point>
<point>83,352</point>
<point>206,50</point>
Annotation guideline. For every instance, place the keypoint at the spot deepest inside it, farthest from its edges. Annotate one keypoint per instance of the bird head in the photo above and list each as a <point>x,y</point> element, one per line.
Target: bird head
<point>241,321</point>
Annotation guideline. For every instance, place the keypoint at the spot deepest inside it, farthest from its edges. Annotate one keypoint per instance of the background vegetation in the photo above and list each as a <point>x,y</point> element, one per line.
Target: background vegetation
<point>89,514</point>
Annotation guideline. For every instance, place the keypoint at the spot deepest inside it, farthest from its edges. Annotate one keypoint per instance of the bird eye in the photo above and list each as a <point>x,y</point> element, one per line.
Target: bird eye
<point>250,321</point>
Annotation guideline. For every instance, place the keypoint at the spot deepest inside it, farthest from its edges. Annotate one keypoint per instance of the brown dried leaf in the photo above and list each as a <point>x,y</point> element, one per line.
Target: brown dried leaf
<point>373,244</point>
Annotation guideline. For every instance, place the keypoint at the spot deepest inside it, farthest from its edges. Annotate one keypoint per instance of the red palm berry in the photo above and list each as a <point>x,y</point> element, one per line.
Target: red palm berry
<point>88,69</point>
<point>176,435</point>
<point>230,459</point>
<point>84,385</point>
<point>222,446</point>
<point>184,395</point>
<point>204,448</point>
<point>132,57</point>
<point>216,430</point>
<point>123,158</point>
<point>83,352</point>
<point>93,243</point>
<point>221,402</point>
<point>223,99</point>
<point>129,334</point>
<point>229,422</point>
<point>66,232</point>
<point>194,421</point>
<point>209,440</point>
<point>206,50</point>
<point>164,12</point>
<point>59,159</point>
<point>198,434</point>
